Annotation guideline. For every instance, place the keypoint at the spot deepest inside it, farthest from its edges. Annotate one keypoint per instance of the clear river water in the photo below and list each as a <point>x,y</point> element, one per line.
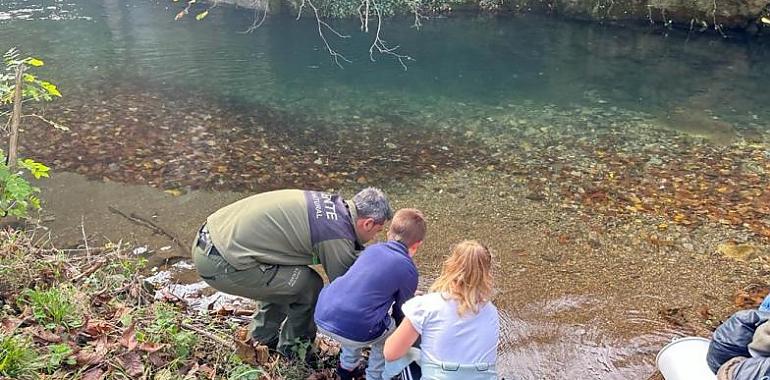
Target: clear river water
<point>605,165</point>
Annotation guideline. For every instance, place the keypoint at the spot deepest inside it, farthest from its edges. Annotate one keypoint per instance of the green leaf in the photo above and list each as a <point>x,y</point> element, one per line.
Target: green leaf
<point>35,62</point>
<point>37,169</point>
<point>50,88</point>
<point>202,15</point>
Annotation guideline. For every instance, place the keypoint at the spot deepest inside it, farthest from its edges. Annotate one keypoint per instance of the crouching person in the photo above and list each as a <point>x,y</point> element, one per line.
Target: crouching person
<point>261,247</point>
<point>353,309</point>
<point>740,347</point>
<point>457,322</point>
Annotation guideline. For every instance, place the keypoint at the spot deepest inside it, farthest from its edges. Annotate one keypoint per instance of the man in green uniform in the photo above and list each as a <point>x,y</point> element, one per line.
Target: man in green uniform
<point>261,247</point>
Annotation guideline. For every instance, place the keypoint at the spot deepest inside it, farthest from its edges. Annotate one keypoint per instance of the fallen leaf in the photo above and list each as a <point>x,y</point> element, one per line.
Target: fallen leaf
<point>132,364</point>
<point>157,359</point>
<point>128,339</point>
<point>741,252</point>
<point>246,353</point>
<point>10,323</point>
<point>95,328</point>
<point>209,372</point>
<point>94,354</point>
<point>174,192</point>
<point>151,347</point>
<point>95,373</point>
<point>46,335</point>
<point>751,296</point>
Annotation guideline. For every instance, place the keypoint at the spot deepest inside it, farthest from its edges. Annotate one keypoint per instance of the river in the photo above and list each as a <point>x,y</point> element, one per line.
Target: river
<point>604,166</point>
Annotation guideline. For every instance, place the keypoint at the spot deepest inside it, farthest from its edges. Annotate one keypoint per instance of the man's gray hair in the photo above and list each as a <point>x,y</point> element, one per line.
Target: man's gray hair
<point>373,203</point>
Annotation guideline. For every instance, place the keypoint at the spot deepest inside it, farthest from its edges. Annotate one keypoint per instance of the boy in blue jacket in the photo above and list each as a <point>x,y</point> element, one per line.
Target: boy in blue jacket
<point>353,309</point>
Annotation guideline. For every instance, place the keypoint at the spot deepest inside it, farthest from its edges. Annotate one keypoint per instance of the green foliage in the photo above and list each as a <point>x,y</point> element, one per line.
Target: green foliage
<point>243,371</point>
<point>300,348</point>
<point>17,195</point>
<point>17,358</point>
<point>59,355</point>
<point>387,8</point>
<point>165,329</point>
<point>54,307</point>
<point>33,88</point>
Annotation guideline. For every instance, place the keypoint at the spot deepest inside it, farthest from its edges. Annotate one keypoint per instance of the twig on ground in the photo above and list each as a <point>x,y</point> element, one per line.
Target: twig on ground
<point>85,238</point>
<point>144,222</point>
<point>231,345</point>
<point>89,271</point>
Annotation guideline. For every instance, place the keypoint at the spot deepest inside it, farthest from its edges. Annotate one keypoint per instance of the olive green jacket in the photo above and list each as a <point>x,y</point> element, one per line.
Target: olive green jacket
<point>287,227</point>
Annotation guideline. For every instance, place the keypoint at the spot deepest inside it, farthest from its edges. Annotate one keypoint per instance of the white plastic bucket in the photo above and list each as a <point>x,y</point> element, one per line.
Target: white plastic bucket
<point>685,359</point>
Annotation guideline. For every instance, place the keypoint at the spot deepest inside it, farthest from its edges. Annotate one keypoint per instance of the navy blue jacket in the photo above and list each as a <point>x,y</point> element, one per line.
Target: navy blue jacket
<point>355,306</point>
<point>732,339</point>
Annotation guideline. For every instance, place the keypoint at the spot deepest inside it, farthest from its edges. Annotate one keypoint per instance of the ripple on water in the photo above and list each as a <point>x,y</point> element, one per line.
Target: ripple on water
<point>542,341</point>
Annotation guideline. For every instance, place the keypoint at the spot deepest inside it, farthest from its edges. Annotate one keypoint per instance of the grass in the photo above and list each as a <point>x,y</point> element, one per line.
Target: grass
<point>54,307</point>
<point>76,314</point>
<point>17,358</point>
<point>165,329</point>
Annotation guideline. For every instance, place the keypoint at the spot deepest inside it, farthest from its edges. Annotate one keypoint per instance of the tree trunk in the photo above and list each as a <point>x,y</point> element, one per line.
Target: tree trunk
<point>15,118</point>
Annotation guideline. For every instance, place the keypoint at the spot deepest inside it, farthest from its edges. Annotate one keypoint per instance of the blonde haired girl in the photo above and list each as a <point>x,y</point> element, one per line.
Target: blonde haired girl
<point>458,324</point>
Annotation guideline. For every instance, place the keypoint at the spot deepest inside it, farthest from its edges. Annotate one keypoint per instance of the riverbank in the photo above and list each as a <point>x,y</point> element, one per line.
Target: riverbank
<point>93,312</point>
<point>601,292</point>
<point>750,18</point>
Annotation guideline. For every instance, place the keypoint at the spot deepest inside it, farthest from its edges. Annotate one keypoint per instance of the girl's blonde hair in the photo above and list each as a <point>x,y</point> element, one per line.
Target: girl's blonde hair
<point>466,276</point>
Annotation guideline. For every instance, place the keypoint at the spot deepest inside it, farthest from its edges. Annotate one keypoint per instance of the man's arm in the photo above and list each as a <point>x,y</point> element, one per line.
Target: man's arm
<point>336,256</point>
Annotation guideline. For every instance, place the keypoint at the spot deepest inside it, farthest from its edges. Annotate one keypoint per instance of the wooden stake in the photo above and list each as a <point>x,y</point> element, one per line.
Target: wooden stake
<point>15,118</point>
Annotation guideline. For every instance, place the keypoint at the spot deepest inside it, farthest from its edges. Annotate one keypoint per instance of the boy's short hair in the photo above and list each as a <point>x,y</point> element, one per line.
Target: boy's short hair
<point>408,226</point>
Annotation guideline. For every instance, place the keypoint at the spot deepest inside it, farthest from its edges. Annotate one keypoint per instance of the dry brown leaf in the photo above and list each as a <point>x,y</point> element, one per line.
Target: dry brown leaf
<point>132,364</point>
<point>95,328</point>
<point>128,339</point>
<point>93,354</point>
<point>157,359</point>
<point>751,296</point>
<point>93,374</point>
<point>246,352</point>
<point>207,371</point>
<point>9,324</point>
<point>151,347</point>
<point>45,335</point>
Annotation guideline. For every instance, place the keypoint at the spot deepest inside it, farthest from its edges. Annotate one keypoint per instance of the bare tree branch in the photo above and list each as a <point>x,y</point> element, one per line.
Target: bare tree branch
<point>258,21</point>
<point>417,15</point>
<point>321,25</point>
<point>49,122</point>
<point>380,44</point>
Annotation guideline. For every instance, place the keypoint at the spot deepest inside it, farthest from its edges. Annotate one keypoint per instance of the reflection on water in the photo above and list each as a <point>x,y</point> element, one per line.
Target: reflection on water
<point>487,60</point>
<point>589,118</point>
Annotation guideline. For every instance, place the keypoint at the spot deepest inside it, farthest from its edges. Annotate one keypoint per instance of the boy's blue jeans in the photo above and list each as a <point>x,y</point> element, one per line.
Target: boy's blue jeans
<point>350,354</point>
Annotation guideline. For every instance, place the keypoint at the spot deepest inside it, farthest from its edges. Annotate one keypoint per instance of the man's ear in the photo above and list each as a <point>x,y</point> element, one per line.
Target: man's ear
<point>369,224</point>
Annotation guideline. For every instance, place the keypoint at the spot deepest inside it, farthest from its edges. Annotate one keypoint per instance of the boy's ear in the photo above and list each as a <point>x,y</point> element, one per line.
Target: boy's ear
<point>414,247</point>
